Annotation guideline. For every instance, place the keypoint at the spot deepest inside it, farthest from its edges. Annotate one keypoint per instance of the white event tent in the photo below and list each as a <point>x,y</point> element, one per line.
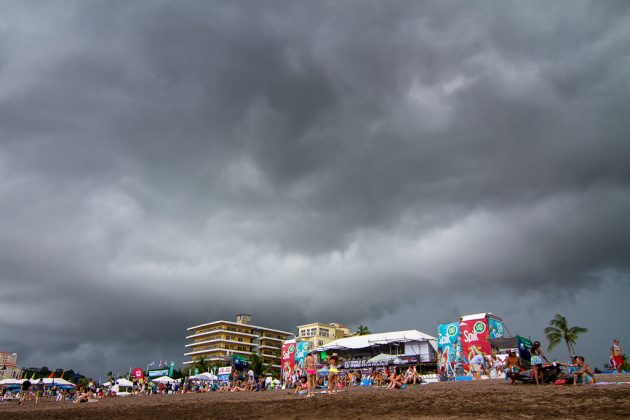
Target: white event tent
<point>412,343</point>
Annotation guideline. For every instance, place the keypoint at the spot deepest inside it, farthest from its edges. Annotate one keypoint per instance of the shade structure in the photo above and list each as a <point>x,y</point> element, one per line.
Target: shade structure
<point>384,357</point>
<point>164,379</point>
<point>205,376</point>
<point>123,382</point>
<point>11,381</point>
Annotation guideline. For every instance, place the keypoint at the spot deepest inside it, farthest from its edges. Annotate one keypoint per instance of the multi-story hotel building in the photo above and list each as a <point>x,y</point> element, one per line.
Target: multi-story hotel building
<point>217,340</point>
<point>319,334</point>
<point>8,365</point>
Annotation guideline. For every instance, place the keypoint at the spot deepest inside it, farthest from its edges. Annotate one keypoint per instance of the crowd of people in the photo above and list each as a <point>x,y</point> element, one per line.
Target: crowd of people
<point>306,382</point>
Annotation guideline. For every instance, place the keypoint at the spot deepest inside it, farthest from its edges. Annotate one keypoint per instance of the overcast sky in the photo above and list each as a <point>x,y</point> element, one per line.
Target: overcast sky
<point>385,163</point>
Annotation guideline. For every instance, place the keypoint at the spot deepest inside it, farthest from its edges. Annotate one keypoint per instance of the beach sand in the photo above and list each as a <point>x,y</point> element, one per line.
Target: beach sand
<point>491,398</point>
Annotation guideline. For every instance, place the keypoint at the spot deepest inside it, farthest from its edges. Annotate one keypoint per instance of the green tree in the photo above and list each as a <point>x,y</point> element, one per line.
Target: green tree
<point>363,330</point>
<point>256,364</point>
<point>559,330</point>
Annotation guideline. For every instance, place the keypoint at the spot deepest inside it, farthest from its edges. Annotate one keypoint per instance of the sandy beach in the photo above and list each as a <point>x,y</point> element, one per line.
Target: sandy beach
<point>492,398</point>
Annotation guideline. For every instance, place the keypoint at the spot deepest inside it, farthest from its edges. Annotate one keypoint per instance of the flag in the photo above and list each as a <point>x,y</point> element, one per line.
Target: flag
<point>52,375</point>
<point>152,363</point>
<point>33,377</point>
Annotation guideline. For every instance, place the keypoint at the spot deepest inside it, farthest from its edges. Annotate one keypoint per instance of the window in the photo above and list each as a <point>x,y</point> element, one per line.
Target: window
<point>320,343</point>
<point>324,333</point>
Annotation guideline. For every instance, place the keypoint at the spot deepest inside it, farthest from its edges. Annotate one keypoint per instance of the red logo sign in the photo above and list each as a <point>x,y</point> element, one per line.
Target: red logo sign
<point>137,373</point>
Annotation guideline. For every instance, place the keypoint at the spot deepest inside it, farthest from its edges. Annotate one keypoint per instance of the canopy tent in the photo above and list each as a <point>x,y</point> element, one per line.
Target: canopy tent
<point>123,382</point>
<point>369,340</point>
<point>164,379</point>
<point>383,357</point>
<point>47,381</point>
<point>205,376</point>
<point>58,382</point>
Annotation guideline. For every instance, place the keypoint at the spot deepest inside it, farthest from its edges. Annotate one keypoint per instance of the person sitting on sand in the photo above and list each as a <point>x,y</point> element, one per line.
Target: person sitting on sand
<point>584,374</point>
<point>302,387</point>
<point>512,367</point>
<point>225,387</point>
<point>411,376</point>
<point>379,378</point>
<point>396,380</point>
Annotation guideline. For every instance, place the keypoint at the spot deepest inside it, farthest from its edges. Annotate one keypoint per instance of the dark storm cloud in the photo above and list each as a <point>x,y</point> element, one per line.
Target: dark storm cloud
<point>165,164</point>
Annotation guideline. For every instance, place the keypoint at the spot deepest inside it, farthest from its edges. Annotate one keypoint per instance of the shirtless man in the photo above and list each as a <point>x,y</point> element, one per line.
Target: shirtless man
<point>615,355</point>
<point>512,366</point>
<point>311,373</point>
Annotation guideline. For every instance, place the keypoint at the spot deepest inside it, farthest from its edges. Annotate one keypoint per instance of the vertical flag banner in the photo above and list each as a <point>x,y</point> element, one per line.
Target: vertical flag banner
<point>449,344</point>
<point>288,359</point>
<point>171,368</point>
<point>301,349</point>
<point>475,339</point>
<point>496,328</point>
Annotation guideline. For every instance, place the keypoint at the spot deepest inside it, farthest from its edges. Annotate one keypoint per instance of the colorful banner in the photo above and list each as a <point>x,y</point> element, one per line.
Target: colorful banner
<point>288,359</point>
<point>301,349</point>
<point>524,344</point>
<point>137,373</point>
<point>171,368</point>
<point>449,344</point>
<point>475,339</point>
<point>223,375</point>
<point>156,373</point>
<point>496,328</point>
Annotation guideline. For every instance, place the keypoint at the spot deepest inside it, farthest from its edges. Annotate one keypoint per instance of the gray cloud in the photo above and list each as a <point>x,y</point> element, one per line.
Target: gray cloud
<point>164,164</point>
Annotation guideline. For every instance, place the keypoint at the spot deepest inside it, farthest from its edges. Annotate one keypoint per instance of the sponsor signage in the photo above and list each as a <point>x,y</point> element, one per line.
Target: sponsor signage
<point>137,373</point>
<point>449,343</point>
<point>288,359</point>
<point>475,339</point>
<point>223,375</point>
<point>155,373</point>
<point>301,349</point>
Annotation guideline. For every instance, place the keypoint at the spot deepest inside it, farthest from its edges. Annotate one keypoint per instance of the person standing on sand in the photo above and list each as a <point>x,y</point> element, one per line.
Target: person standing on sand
<point>616,356</point>
<point>333,373</point>
<point>311,372</point>
<point>512,366</point>
<point>39,390</point>
<point>537,362</point>
<point>24,392</point>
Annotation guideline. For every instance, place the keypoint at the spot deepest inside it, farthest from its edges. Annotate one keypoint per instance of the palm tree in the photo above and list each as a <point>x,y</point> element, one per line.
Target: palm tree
<point>362,330</point>
<point>559,330</point>
<point>201,364</point>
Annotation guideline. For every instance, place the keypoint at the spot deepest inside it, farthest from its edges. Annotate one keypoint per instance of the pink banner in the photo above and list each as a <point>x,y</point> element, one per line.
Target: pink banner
<point>288,359</point>
<point>475,339</point>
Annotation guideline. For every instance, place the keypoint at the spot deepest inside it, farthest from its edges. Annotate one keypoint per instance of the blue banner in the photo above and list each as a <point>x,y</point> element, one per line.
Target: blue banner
<point>301,349</point>
<point>449,343</point>
<point>496,328</point>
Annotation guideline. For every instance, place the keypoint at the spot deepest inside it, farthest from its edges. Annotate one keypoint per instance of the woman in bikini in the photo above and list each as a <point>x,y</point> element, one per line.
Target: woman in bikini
<point>537,362</point>
<point>311,373</point>
<point>333,373</point>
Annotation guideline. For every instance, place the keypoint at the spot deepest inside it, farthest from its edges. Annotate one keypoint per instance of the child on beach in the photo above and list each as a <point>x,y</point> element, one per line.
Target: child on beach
<point>583,374</point>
